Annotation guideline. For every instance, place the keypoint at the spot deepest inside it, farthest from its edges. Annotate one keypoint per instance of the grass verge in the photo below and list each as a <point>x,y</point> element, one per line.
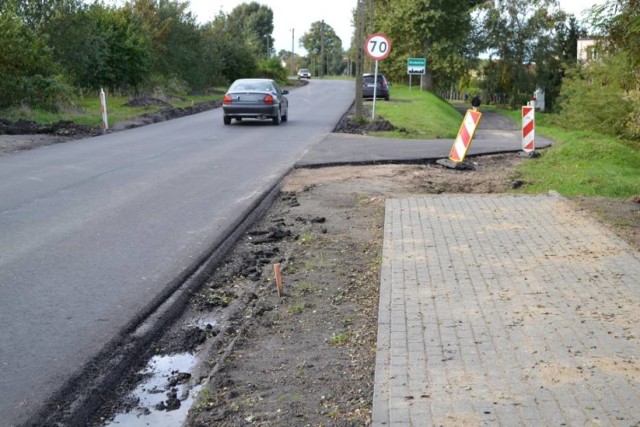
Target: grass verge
<point>580,163</point>
<point>86,110</point>
<point>418,115</point>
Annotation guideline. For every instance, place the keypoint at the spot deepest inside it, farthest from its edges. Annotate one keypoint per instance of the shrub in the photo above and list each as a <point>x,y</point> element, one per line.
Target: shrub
<point>37,91</point>
<point>272,69</point>
<point>602,97</point>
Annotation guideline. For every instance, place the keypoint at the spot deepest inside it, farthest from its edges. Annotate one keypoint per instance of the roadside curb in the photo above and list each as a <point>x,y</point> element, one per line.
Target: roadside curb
<point>78,399</point>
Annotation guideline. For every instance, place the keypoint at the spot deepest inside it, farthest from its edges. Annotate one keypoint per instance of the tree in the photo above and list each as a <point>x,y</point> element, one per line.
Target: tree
<point>226,55</point>
<point>253,23</point>
<point>174,37</point>
<point>604,95</point>
<point>324,48</point>
<point>553,54</point>
<point>520,33</point>
<point>29,74</point>
<point>438,30</point>
<point>618,22</point>
<point>568,32</point>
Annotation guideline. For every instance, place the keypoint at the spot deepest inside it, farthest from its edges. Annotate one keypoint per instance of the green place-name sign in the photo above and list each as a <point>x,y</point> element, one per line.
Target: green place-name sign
<point>416,66</point>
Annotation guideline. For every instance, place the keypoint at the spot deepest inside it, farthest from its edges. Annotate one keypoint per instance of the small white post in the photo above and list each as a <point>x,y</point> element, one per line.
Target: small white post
<point>103,109</point>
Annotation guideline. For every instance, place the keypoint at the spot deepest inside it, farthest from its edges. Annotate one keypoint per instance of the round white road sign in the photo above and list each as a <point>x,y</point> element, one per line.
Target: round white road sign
<point>378,46</point>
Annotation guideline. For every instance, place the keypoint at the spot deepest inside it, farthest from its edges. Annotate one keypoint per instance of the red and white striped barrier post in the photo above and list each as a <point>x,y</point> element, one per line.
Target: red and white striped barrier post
<point>528,130</point>
<point>463,141</point>
<point>103,110</point>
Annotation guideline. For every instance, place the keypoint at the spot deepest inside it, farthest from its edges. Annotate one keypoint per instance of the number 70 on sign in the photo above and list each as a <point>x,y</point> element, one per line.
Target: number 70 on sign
<point>378,46</point>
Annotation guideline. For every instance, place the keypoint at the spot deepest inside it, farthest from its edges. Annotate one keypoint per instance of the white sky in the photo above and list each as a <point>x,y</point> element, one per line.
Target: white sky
<point>300,14</point>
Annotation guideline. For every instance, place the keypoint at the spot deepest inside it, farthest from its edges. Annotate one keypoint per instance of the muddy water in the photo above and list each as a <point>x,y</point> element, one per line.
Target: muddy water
<point>152,394</point>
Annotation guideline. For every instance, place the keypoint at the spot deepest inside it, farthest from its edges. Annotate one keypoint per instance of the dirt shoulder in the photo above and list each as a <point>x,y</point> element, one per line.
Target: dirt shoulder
<point>26,135</point>
<point>308,357</point>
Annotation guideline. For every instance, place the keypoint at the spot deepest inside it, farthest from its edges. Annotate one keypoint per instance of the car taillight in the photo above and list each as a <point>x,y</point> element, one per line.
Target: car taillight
<point>268,99</point>
<point>226,99</point>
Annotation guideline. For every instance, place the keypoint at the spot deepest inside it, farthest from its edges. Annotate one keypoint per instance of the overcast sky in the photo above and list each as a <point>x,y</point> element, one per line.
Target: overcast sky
<point>300,14</point>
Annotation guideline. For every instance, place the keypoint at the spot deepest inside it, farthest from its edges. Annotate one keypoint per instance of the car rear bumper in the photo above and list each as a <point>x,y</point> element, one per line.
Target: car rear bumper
<point>368,93</point>
<point>250,111</point>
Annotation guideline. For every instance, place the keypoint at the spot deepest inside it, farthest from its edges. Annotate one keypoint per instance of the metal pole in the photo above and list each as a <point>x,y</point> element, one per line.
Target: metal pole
<point>293,55</point>
<point>359,50</point>
<point>322,49</point>
<point>375,90</point>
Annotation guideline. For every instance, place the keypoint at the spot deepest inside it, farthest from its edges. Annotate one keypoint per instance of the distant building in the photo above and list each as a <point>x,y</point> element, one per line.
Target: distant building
<point>587,50</point>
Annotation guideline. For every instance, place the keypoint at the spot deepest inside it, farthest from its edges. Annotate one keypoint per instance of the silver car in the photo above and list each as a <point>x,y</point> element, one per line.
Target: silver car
<point>255,99</point>
<point>304,73</point>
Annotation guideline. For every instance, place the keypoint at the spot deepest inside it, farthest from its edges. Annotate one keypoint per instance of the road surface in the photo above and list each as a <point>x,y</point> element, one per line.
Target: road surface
<point>91,231</point>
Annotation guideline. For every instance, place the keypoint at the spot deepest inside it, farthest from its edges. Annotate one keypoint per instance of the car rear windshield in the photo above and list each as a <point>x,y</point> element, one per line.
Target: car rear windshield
<point>252,86</point>
<point>369,79</point>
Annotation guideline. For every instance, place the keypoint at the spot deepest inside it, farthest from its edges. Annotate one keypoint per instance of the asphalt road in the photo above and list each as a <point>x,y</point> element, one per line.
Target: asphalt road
<point>92,230</point>
<point>495,134</point>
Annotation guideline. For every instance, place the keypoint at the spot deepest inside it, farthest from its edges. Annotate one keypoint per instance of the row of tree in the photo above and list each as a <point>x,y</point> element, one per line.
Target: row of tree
<point>51,49</point>
<point>526,43</point>
<point>526,46</point>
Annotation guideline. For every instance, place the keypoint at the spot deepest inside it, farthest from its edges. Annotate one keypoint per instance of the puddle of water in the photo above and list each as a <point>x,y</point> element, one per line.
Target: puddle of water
<point>153,391</point>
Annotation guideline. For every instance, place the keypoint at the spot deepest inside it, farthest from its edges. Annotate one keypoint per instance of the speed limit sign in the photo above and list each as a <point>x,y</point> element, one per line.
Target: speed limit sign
<point>378,46</point>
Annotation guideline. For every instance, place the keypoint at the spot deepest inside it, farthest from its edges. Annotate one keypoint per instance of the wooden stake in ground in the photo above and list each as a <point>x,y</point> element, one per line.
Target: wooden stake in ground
<point>278,272</point>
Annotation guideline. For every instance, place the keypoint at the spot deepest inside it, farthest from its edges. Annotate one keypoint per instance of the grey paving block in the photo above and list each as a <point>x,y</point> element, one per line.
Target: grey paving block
<point>502,309</point>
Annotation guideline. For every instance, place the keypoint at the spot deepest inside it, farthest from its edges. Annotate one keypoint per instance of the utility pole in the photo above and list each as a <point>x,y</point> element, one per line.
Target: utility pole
<point>322,49</point>
<point>293,55</point>
<point>359,41</point>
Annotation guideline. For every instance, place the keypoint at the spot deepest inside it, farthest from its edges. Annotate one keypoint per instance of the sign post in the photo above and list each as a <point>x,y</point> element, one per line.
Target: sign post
<point>378,47</point>
<point>416,66</point>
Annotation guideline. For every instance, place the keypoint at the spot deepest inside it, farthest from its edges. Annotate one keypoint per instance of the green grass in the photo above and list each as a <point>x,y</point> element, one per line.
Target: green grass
<point>422,114</point>
<point>580,163</point>
<point>296,309</point>
<point>86,110</point>
<point>583,164</point>
<point>339,339</point>
<point>306,238</point>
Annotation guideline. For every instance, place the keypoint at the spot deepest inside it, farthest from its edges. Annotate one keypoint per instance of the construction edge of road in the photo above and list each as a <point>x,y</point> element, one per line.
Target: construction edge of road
<point>84,393</point>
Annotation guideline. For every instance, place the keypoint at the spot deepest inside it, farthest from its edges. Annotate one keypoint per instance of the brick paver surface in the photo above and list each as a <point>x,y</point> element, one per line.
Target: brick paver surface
<point>505,310</point>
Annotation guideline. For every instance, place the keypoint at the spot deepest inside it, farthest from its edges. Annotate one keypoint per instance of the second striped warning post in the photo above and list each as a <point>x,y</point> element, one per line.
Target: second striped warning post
<point>463,141</point>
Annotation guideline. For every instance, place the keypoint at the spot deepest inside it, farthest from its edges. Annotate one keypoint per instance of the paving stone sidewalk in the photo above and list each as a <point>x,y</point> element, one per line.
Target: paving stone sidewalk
<point>505,310</point>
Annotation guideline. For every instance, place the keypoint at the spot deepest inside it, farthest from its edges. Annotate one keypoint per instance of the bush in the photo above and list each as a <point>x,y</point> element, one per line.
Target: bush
<point>48,93</point>
<point>272,69</point>
<point>602,97</point>
<point>161,86</point>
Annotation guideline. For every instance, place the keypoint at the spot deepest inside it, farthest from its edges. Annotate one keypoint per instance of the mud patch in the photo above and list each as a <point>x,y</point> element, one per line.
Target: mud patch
<point>163,397</point>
